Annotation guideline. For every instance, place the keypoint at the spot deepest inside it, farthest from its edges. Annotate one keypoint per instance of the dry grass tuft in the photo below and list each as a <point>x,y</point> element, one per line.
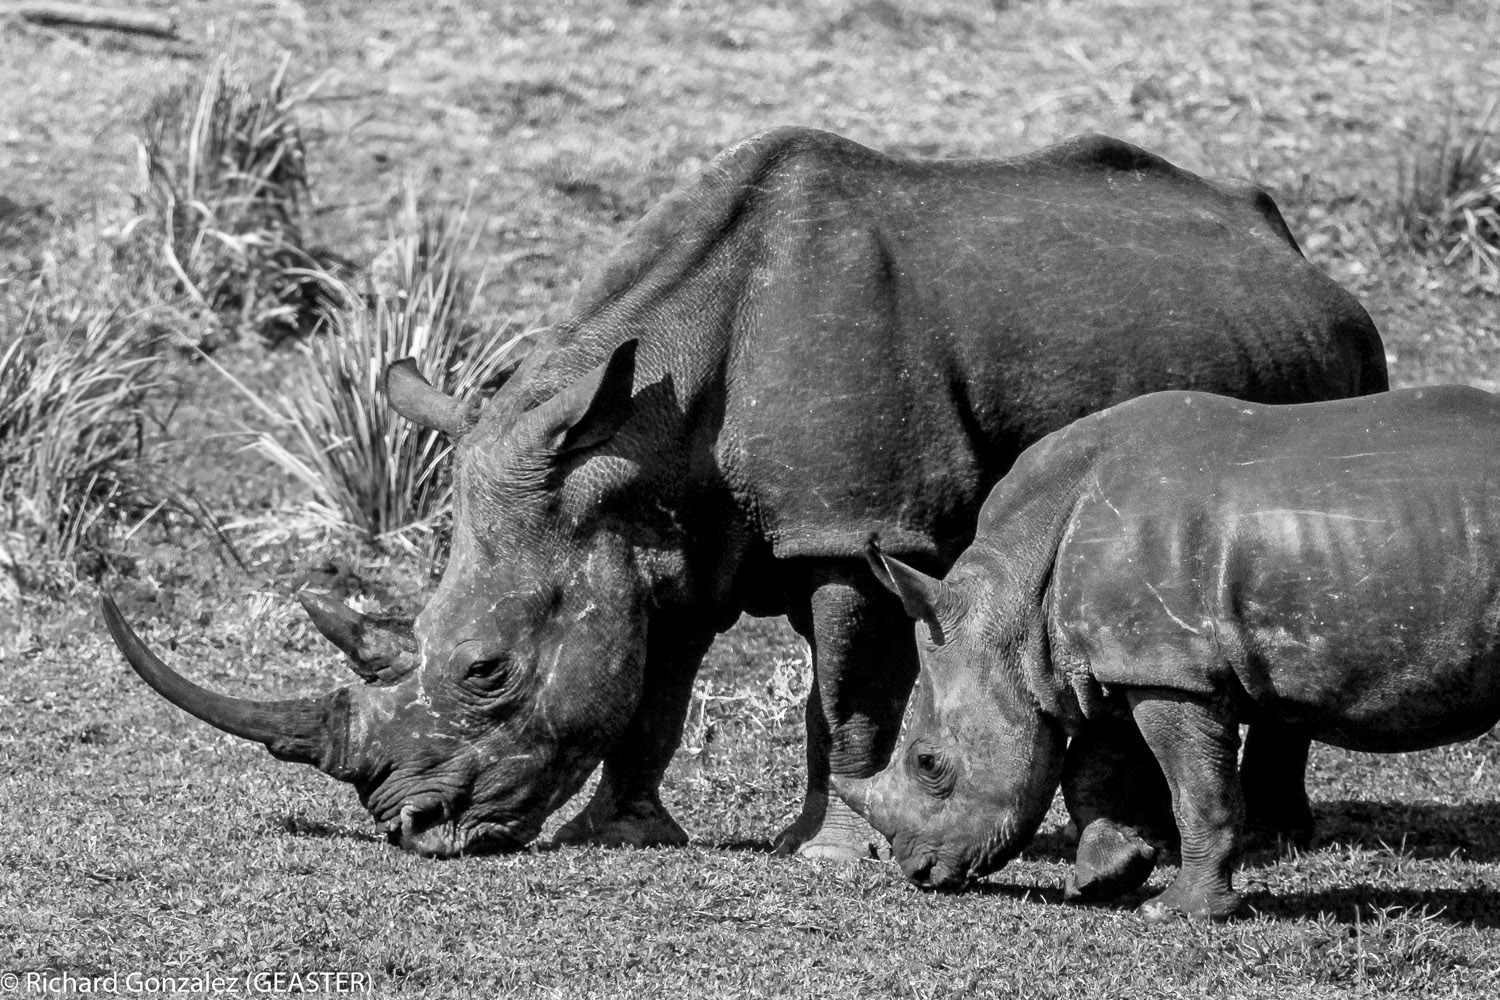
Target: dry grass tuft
<point>1449,196</point>
<point>370,471</point>
<point>225,179</point>
<point>75,384</point>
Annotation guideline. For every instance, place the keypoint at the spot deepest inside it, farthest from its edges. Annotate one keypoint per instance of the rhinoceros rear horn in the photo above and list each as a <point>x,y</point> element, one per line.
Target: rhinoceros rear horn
<point>925,598</point>
<point>381,650</point>
<point>303,730</point>
<point>423,404</point>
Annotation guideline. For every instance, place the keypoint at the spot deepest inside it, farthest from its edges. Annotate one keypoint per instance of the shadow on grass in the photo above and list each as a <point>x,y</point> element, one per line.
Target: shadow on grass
<point>1467,907</point>
<point>749,845</point>
<point>1045,894</point>
<point>1478,908</point>
<point>1051,846</point>
<point>301,826</point>
<point>1419,830</point>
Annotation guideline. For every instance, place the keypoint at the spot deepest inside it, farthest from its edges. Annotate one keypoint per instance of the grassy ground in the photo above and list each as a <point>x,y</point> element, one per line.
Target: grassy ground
<point>143,841</point>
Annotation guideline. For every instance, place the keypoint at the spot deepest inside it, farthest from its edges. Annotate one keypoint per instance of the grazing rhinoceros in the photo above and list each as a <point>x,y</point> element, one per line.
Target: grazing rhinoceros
<point>1191,562</point>
<point>810,342</point>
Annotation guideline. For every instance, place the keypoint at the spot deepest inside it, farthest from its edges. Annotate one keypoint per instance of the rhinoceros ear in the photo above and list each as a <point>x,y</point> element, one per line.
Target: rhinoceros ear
<point>592,409</point>
<point>925,598</point>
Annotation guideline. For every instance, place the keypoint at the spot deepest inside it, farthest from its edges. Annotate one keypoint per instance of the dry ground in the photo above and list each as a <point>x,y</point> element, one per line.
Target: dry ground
<point>140,840</point>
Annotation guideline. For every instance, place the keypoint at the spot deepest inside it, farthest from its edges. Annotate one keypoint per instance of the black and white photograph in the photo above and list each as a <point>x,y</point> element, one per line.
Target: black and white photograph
<point>769,499</point>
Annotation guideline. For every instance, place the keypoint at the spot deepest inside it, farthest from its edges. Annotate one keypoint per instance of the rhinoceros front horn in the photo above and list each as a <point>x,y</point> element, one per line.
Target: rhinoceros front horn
<point>381,650</point>
<point>419,401</point>
<point>303,730</point>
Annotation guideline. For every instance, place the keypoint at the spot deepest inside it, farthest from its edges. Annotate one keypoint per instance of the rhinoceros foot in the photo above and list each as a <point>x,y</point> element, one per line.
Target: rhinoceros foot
<point>1186,901</point>
<point>1111,860</point>
<point>834,833</point>
<point>607,822</point>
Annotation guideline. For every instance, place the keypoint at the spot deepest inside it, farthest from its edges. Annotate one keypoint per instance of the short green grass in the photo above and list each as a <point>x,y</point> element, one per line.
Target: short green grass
<point>140,840</point>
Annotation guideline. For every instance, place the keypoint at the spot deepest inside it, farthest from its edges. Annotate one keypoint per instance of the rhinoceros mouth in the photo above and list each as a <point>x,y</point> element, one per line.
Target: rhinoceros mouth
<point>945,873</point>
<point>431,831</point>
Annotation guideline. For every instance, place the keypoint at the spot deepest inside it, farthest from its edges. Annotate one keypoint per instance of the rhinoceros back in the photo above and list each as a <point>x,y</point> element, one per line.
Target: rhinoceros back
<point>908,327</point>
<point>870,341</point>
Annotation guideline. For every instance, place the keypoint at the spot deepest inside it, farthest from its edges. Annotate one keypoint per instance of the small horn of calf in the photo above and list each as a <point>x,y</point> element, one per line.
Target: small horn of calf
<point>419,401</point>
<point>856,793</point>
<point>303,730</point>
<point>380,650</point>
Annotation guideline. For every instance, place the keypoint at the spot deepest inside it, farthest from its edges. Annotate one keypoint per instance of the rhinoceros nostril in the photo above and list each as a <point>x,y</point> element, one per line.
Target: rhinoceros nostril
<point>428,831</point>
<point>918,868</point>
<point>946,876</point>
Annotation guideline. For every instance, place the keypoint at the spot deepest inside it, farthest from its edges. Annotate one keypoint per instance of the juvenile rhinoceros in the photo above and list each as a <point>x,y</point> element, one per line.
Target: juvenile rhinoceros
<point>809,342</point>
<point>1190,562</point>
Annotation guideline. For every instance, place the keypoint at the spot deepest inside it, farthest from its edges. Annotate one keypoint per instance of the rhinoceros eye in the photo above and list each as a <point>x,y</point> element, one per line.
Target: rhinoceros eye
<point>489,672</point>
<point>492,666</point>
<point>934,769</point>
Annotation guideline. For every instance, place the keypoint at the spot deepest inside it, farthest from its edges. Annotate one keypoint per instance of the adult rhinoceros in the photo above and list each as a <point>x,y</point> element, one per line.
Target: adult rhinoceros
<point>1190,562</point>
<point>809,342</point>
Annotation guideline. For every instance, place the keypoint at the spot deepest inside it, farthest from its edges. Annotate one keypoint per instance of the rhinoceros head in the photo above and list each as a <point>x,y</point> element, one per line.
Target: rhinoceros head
<point>977,765</point>
<point>479,720</point>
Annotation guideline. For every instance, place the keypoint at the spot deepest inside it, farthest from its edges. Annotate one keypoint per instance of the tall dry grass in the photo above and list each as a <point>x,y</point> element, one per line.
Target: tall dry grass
<point>224,176</point>
<point>75,387</point>
<point>370,472</point>
<point>1448,195</point>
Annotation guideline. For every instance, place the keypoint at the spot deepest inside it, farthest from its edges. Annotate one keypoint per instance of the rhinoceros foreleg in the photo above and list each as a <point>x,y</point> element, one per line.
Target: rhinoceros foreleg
<point>1119,800</point>
<point>864,664</point>
<point>626,808</point>
<point>1198,749</point>
<point>1273,776</point>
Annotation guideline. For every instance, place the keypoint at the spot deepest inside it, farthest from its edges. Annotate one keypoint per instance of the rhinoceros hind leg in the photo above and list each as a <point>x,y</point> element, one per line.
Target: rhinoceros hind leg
<point>1198,750</point>
<point>1273,776</point>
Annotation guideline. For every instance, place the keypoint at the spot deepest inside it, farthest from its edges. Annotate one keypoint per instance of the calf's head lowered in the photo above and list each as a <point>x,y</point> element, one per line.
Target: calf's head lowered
<point>978,761</point>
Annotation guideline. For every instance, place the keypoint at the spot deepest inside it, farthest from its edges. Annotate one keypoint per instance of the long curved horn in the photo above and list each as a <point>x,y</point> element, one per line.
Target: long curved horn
<point>303,730</point>
<point>417,400</point>
<point>381,650</point>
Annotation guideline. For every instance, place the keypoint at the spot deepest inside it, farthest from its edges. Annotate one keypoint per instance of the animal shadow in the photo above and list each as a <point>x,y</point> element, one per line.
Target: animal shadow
<point>301,826</point>
<point>1051,845</point>
<point>747,845</point>
<point>1420,835</point>
<point>1471,907</point>
<point>1417,830</point>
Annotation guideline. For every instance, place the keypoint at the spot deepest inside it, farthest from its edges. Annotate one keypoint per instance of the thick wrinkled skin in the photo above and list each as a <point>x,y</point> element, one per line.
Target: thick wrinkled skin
<point>830,342</point>
<point>1190,563</point>
<point>811,342</point>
